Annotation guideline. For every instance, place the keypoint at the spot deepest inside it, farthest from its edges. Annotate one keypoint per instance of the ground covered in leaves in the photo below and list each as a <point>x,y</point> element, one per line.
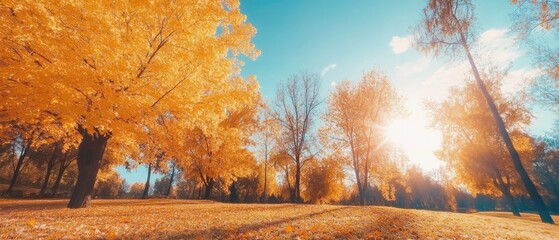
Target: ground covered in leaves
<point>191,219</point>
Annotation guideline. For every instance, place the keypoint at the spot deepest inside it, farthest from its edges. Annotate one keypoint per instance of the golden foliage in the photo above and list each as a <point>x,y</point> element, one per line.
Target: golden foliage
<point>357,114</point>
<point>118,67</point>
<point>472,145</point>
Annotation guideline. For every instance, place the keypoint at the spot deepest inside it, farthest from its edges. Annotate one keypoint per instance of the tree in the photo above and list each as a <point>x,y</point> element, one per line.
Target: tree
<point>546,164</point>
<point>160,186</point>
<point>50,160</point>
<point>424,192</point>
<point>109,186</point>
<point>535,14</point>
<point>324,181</point>
<point>356,115</point>
<point>296,110</point>
<point>154,165</point>
<point>23,136</point>
<point>110,69</point>
<point>136,190</point>
<point>222,153</point>
<point>446,26</point>
<point>64,162</point>
<point>534,21</point>
<point>171,178</point>
<point>473,147</point>
<point>266,137</point>
<point>164,185</point>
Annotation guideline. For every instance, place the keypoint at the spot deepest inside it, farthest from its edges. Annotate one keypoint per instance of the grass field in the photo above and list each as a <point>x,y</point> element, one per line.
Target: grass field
<point>190,219</point>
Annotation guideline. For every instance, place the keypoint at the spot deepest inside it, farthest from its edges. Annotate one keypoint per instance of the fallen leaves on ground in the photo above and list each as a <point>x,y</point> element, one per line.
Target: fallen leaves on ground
<point>193,219</point>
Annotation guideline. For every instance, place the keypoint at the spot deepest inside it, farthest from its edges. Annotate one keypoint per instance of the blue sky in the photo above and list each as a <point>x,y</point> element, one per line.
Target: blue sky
<point>342,39</point>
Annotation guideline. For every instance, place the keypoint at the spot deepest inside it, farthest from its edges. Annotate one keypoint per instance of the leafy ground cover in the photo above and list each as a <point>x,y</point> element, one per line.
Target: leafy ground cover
<point>194,219</point>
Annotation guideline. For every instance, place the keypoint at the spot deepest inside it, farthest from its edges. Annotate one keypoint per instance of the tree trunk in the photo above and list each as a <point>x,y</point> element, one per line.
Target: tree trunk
<point>90,154</point>
<point>360,192</point>
<point>265,192</point>
<point>513,207</point>
<point>50,166</point>
<point>146,186</point>
<point>22,155</point>
<point>61,170</point>
<point>555,191</point>
<point>289,187</point>
<point>505,189</point>
<point>358,181</point>
<point>171,181</point>
<point>233,195</point>
<point>362,185</point>
<point>528,184</point>
<point>363,197</point>
<point>208,189</point>
<point>298,183</point>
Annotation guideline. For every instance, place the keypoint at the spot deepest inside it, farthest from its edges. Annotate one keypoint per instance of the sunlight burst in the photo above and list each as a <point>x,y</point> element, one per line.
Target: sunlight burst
<point>416,139</point>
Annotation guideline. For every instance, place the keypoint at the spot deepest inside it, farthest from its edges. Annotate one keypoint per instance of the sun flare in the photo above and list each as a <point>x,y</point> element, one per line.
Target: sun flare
<point>397,131</point>
<point>416,140</point>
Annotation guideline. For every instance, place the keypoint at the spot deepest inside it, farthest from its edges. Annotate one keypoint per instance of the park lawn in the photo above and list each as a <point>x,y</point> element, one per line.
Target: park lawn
<point>194,219</point>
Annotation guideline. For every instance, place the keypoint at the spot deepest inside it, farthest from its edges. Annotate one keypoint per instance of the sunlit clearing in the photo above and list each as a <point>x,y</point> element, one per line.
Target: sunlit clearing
<point>416,139</point>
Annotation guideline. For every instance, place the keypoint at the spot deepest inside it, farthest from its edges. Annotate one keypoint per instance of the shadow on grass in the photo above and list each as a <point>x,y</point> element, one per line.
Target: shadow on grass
<point>146,202</point>
<point>231,208</point>
<point>219,233</point>
<point>523,216</point>
<point>45,204</point>
<point>16,205</point>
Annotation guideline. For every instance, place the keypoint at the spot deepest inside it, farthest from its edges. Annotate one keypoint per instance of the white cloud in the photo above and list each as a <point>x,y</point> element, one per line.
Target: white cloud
<point>327,69</point>
<point>416,66</point>
<point>400,44</point>
<point>519,79</point>
<point>492,35</point>
<point>450,72</point>
<point>495,48</point>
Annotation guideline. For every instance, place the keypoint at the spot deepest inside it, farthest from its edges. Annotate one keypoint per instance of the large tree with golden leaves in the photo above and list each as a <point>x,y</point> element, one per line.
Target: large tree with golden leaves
<point>447,27</point>
<point>357,116</point>
<point>471,144</point>
<point>111,69</point>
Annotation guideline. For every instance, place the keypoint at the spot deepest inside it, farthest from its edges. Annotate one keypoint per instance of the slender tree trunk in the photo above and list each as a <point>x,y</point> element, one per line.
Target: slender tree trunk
<point>505,189</point>
<point>46,181</point>
<point>208,189</point>
<point>50,166</point>
<point>265,193</point>
<point>22,156</point>
<point>47,178</point>
<point>90,154</point>
<point>61,170</point>
<point>358,179</point>
<point>289,187</point>
<point>528,184</point>
<point>513,207</point>
<point>555,191</point>
<point>298,183</point>
<point>146,186</point>
<point>233,195</point>
<point>364,190</point>
<point>171,181</point>
<point>359,187</point>
<point>360,191</point>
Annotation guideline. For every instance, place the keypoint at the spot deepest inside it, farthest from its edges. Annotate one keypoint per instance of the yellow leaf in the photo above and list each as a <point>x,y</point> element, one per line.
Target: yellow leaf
<point>111,235</point>
<point>289,229</point>
<point>31,222</point>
